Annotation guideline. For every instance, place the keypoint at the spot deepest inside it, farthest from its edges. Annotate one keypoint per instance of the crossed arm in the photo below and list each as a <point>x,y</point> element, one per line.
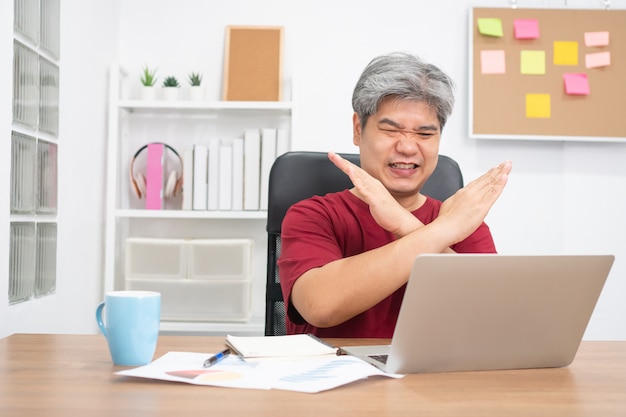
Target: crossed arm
<point>360,286</point>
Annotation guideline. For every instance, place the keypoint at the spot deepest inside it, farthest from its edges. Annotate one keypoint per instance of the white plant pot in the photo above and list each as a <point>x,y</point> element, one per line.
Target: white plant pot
<point>170,93</point>
<point>148,92</point>
<point>196,93</point>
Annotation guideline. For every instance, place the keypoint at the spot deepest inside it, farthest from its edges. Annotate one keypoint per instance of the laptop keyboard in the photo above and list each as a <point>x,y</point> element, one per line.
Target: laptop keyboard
<point>379,358</point>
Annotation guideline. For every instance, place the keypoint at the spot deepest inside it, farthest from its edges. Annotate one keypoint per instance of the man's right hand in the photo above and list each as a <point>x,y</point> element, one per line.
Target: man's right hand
<point>385,210</point>
<point>464,211</point>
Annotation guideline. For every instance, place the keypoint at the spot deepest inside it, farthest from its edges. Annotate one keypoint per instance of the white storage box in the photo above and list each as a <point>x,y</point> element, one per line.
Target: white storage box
<point>191,300</point>
<point>219,259</point>
<point>199,279</point>
<point>153,258</point>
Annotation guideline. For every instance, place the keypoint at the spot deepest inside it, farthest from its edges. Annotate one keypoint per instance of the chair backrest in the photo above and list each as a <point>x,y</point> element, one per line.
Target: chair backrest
<point>296,176</point>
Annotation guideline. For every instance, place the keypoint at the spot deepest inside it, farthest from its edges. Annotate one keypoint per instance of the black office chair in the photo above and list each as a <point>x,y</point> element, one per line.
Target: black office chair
<point>296,176</point>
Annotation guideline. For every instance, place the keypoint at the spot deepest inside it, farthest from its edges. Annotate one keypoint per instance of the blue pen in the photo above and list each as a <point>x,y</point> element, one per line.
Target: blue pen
<point>216,358</point>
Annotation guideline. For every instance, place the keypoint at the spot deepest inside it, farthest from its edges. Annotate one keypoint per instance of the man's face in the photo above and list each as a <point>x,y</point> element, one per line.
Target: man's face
<point>399,145</point>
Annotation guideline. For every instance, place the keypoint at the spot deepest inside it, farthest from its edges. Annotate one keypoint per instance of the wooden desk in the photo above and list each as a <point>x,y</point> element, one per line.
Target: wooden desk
<point>71,375</point>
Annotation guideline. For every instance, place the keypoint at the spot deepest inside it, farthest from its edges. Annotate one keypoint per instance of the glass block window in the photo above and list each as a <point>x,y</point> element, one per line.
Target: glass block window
<point>50,39</point>
<point>46,260</point>
<point>21,262</point>
<point>23,165</point>
<point>47,177</point>
<point>27,18</point>
<point>25,85</point>
<point>34,149</point>
<point>48,96</point>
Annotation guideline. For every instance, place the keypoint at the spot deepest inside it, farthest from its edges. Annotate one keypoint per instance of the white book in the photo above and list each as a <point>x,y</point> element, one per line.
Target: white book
<point>282,142</point>
<point>238,174</point>
<point>251,169</point>
<point>200,153</point>
<point>268,155</point>
<point>187,179</point>
<point>213,174</point>
<point>225,198</point>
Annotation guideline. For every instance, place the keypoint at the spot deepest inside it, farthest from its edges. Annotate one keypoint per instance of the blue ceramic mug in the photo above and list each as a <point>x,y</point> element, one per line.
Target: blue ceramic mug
<point>130,325</point>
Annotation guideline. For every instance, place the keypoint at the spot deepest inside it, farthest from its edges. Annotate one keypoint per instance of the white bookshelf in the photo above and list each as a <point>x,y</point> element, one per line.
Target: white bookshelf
<point>181,105</point>
<point>191,214</point>
<point>134,122</point>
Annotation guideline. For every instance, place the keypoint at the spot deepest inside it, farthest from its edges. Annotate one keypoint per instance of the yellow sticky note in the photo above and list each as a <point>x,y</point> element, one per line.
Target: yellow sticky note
<point>533,62</point>
<point>538,106</point>
<point>565,53</point>
<point>490,27</point>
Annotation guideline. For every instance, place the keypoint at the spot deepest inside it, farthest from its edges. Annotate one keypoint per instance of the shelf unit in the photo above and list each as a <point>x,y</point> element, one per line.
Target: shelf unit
<point>180,124</point>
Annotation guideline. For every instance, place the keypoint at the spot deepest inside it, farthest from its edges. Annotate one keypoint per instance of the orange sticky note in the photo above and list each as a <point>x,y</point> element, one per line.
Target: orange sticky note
<point>565,53</point>
<point>577,84</point>
<point>526,28</point>
<point>596,38</point>
<point>538,106</point>
<point>533,62</point>
<point>598,59</point>
<point>492,62</point>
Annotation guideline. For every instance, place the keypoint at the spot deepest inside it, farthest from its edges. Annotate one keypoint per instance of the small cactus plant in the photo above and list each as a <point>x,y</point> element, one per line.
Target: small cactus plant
<point>148,76</point>
<point>170,81</point>
<point>195,79</point>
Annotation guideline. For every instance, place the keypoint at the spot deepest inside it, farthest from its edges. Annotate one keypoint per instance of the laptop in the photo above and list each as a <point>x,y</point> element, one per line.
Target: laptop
<point>474,312</point>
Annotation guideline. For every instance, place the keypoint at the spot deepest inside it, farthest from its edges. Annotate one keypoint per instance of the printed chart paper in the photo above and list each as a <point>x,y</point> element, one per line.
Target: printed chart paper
<point>305,375</point>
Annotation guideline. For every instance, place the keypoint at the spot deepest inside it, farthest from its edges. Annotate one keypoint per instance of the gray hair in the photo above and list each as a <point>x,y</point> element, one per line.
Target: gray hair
<point>405,77</point>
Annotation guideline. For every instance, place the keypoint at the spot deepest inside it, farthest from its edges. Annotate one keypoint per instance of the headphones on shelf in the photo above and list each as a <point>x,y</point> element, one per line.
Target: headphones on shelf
<point>174,181</point>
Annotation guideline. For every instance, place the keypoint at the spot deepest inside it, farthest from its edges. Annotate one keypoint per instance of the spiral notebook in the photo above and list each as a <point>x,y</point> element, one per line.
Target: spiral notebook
<point>298,346</point>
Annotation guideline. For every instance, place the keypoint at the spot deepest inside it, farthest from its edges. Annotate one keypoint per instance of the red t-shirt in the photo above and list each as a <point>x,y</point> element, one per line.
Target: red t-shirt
<point>320,230</point>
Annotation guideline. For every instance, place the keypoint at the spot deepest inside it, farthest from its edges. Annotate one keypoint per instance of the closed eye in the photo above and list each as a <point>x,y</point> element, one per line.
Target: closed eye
<point>397,132</point>
<point>391,131</point>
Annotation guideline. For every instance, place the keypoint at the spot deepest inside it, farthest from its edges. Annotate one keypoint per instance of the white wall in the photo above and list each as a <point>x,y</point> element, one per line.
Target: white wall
<point>563,197</point>
<point>88,46</point>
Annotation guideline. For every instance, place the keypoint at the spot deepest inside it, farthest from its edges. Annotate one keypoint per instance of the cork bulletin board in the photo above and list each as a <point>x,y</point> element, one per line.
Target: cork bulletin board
<point>547,74</point>
<point>253,63</point>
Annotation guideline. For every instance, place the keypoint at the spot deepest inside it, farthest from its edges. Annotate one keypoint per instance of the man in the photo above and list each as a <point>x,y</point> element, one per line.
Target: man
<point>346,257</point>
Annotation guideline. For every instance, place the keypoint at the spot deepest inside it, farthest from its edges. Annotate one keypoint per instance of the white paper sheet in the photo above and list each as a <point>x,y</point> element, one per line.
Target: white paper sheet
<point>310,375</point>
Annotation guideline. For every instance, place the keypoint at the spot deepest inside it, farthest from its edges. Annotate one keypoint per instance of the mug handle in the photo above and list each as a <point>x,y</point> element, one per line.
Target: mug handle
<point>99,319</point>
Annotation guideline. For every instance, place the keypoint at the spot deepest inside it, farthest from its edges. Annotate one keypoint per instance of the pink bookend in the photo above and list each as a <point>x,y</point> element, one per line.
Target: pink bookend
<point>155,177</point>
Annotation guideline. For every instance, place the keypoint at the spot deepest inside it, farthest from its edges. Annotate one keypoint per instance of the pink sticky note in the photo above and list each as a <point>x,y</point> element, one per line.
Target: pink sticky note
<point>577,84</point>
<point>598,59</point>
<point>526,28</point>
<point>596,38</point>
<point>492,62</point>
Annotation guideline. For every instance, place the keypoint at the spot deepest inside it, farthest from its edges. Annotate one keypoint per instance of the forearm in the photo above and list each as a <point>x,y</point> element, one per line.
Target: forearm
<point>331,294</point>
<point>411,224</point>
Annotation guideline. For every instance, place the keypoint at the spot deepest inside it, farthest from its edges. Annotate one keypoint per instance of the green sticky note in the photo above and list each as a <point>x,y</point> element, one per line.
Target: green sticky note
<point>533,62</point>
<point>538,106</point>
<point>565,53</point>
<point>490,27</point>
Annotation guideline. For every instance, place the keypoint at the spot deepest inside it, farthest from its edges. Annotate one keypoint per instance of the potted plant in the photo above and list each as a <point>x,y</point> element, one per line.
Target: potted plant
<point>148,80</point>
<point>170,88</point>
<point>196,91</point>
